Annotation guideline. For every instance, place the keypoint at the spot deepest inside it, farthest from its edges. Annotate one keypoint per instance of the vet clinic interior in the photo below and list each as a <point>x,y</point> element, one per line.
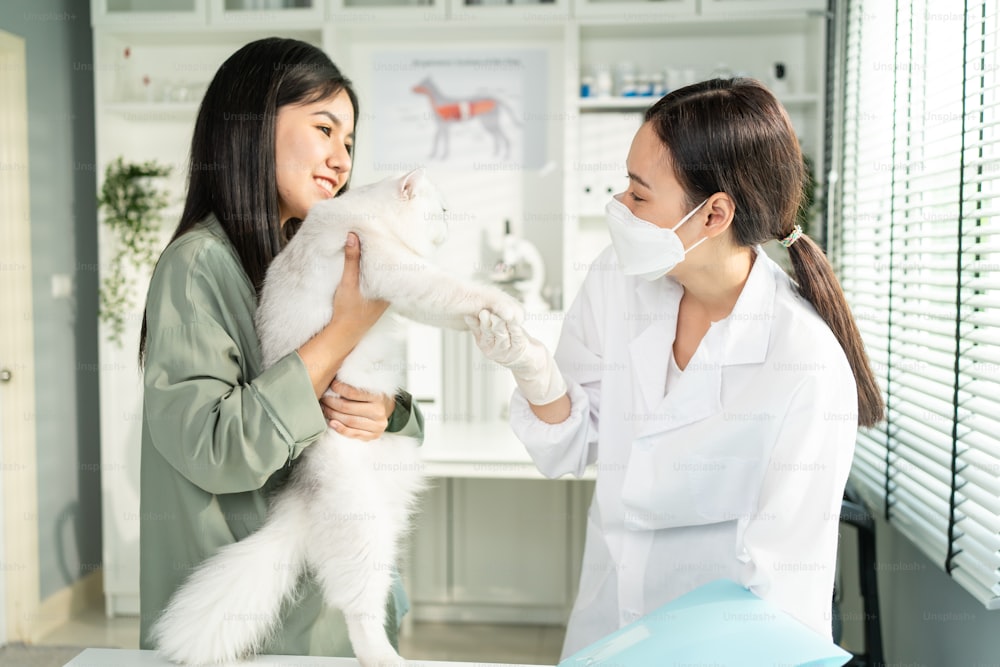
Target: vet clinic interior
<point>896,109</point>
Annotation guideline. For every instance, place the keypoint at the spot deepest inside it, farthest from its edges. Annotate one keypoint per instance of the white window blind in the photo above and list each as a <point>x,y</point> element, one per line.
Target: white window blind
<point>916,244</point>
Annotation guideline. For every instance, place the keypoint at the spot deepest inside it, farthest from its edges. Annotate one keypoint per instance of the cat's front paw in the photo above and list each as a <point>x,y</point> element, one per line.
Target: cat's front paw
<point>506,307</point>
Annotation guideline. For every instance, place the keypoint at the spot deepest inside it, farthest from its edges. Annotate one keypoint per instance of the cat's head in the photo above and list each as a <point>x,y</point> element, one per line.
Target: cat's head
<point>408,207</point>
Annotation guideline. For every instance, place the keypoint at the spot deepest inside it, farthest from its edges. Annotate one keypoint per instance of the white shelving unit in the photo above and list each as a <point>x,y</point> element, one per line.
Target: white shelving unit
<point>523,12</point>
<point>134,13</point>
<point>738,42</point>
<point>736,7</point>
<point>460,568</point>
<point>265,12</point>
<point>634,10</point>
<point>362,12</point>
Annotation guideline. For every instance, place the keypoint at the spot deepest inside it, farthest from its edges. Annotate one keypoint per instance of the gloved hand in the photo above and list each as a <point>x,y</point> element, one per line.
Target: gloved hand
<point>509,345</point>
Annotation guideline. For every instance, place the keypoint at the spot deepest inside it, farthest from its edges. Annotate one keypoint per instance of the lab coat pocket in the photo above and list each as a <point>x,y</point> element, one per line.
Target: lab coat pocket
<point>672,490</point>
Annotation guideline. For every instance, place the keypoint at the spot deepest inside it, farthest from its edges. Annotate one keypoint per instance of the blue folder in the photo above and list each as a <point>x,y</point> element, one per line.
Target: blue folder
<point>720,623</point>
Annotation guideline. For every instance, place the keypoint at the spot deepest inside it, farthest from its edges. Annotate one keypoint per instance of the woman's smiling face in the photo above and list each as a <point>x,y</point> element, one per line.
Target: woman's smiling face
<point>312,152</point>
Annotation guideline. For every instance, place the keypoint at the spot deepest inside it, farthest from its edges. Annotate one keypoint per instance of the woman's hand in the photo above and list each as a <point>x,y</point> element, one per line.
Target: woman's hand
<point>353,316</point>
<point>356,414</point>
<point>352,313</point>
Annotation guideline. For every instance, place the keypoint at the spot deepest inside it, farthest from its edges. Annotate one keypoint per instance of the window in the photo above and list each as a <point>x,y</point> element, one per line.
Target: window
<point>916,244</point>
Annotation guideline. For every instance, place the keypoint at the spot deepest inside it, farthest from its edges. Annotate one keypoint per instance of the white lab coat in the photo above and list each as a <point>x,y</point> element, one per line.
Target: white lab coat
<point>737,473</point>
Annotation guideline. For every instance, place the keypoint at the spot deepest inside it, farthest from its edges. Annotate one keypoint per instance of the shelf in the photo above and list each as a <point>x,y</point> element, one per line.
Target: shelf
<point>615,103</point>
<point>634,10</point>
<point>729,8</point>
<point>149,12</point>
<point>154,111</point>
<point>799,99</point>
<point>695,25</point>
<point>585,104</point>
<point>519,11</point>
<point>356,12</point>
<point>251,12</point>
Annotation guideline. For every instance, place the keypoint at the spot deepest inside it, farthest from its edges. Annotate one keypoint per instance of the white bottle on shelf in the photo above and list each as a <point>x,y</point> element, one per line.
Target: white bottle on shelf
<point>603,83</point>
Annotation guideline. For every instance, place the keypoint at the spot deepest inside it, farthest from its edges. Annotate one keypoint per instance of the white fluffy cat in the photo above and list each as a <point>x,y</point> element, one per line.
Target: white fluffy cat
<point>347,502</point>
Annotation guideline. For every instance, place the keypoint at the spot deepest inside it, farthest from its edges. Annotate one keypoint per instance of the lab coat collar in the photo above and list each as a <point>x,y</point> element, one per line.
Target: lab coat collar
<point>741,338</point>
<point>748,327</point>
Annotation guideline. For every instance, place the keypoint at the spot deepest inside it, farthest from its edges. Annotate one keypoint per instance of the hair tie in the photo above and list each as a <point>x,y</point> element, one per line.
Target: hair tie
<point>793,237</point>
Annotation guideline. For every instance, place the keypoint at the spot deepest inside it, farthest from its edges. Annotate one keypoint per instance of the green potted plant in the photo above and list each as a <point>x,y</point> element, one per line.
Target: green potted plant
<point>132,204</point>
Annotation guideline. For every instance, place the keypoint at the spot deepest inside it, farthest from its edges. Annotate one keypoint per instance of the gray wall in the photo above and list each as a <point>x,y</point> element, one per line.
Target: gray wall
<point>64,242</point>
<point>933,621</point>
<point>928,620</point>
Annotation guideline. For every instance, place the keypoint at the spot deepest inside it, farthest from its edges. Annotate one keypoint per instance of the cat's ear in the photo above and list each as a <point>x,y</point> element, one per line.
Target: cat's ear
<point>408,183</point>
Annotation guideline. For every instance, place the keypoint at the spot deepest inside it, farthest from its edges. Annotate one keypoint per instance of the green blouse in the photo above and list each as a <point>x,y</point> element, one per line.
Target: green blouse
<point>219,433</point>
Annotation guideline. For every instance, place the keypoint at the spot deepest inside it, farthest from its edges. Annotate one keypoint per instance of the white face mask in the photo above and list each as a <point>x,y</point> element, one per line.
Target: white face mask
<point>644,249</point>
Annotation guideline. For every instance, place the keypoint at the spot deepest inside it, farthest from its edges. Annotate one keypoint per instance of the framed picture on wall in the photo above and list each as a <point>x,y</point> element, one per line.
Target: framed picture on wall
<point>459,109</point>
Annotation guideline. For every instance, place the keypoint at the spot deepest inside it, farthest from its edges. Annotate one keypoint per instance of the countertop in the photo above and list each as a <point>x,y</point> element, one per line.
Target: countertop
<point>487,449</point>
<point>106,657</point>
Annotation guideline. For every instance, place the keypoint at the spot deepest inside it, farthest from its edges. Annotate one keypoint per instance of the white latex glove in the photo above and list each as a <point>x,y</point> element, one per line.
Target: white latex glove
<point>509,345</point>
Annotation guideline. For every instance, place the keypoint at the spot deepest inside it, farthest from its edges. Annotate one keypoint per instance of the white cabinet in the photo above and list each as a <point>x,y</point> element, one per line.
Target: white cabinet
<point>497,550</point>
<point>508,531</point>
<point>494,540</point>
<point>483,548</point>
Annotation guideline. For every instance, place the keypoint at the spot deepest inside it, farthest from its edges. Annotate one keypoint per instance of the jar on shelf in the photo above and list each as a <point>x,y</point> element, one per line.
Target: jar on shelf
<point>644,85</point>
<point>672,79</point>
<point>125,89</point>
<point>148,90</point>
<point>625,73</point>
<point>658,86</point>
<point>628,86</point>
<point>603,83</point>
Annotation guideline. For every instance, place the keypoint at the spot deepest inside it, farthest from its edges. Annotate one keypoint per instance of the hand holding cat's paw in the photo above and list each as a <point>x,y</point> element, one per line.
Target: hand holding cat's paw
<point>508,344</point>
<point>507,308</point>
<point>493,336</point>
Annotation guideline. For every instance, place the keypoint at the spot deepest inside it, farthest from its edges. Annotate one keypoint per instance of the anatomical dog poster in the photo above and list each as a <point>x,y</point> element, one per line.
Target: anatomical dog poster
<point>459,110</point>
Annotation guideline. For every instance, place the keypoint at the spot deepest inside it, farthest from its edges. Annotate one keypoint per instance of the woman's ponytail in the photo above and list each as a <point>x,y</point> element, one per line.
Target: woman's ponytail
<point>818,284</point>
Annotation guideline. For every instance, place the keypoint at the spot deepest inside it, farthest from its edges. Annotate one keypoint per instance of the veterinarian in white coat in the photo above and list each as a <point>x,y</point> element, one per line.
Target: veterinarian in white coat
<point>720,408</point>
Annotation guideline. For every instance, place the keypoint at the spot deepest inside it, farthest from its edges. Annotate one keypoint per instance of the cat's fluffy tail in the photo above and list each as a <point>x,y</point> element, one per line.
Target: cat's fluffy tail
<point>229,606</point>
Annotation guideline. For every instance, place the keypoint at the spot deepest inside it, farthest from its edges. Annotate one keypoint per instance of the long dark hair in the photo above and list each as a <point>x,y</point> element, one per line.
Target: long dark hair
<point>732,136</point>
<point>231,172</point>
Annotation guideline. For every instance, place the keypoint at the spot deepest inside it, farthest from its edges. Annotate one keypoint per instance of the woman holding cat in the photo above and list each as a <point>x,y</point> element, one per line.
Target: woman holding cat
<point>274,135</point>
<point>721,399</point>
